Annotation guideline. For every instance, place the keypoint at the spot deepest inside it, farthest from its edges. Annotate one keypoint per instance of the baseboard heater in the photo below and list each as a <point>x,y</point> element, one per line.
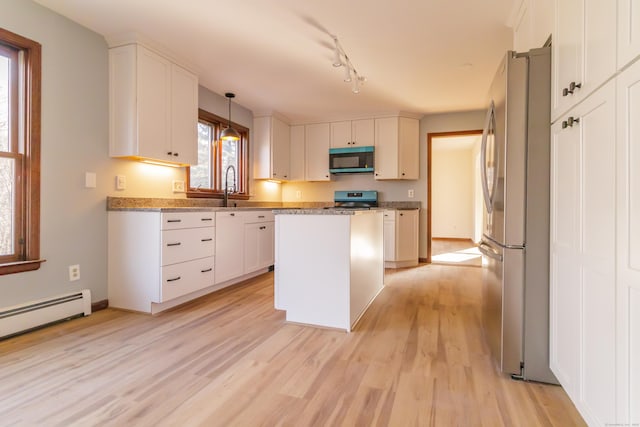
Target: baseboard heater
<point>37,314</point>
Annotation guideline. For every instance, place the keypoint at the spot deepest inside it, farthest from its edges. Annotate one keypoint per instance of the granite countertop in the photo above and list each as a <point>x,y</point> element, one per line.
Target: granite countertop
<point>148,204</point>
<point>323,211</point>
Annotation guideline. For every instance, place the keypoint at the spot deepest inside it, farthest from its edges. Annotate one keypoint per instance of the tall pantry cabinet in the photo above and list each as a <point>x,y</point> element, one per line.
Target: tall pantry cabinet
<point>595,208</point>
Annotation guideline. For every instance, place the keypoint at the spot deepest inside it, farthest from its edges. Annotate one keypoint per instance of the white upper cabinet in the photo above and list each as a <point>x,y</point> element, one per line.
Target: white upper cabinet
<point>271,146</point>
<point>317,137</point>
<point>352,133</point>
<point>628,31</point>
<point>296,161</point>
<point>153,107</point>
<point>584,50</point>
<point>396,148</point>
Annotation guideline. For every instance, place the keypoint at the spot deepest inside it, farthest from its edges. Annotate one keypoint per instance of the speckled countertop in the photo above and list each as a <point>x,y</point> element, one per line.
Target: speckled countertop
<point>203,205</point>
<point>323,211</point>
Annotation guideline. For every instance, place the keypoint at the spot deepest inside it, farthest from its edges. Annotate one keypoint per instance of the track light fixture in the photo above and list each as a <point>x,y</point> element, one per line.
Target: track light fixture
<point>351,75</point>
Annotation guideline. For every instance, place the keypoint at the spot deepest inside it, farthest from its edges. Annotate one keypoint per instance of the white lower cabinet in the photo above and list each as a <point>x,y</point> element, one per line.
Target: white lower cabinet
<point>154,258</point>
<point>258,241</point>
<point>583,254</point>
<point>401,238</point>
<point>229,246</point>
<point>244,243</point>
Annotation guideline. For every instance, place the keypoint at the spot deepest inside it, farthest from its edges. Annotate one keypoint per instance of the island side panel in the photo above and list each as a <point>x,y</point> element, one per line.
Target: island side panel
<point>312,269</point>
<point>367,261</point>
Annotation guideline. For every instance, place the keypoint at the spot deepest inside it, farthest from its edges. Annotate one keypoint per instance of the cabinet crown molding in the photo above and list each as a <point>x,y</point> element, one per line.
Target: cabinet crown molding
<point>123,39</point>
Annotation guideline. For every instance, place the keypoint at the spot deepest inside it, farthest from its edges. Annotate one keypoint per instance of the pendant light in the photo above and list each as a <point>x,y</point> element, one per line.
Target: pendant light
<point>229,133</point>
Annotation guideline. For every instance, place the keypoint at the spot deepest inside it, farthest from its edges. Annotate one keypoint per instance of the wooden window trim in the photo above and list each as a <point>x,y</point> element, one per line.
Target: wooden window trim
<point>30,174</point>
<point>242,169</point>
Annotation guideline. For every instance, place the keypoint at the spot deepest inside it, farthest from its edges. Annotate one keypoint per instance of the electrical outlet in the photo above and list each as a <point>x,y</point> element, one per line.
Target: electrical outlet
<point>411,194</point>
<point>121,182</point>
<point>74,272</point>
<point>178,186</point>
<point>298,194</point>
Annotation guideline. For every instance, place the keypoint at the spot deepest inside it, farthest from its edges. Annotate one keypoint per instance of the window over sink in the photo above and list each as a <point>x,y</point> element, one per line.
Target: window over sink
<point>207,178</point>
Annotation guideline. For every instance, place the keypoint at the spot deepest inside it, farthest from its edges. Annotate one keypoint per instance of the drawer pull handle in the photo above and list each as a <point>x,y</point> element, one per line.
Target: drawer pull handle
<point>206,270</point>
<point>206,219</point>
<point>263,227</point>
<point>175,279</point>
<point>206,240</point>
<point>260,216</point>
<point>174,244</point>
<point>232,214</point>
<point>174,220</point>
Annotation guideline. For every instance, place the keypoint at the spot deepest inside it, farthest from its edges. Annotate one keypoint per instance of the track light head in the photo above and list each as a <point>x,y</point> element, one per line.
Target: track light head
<point>347,74</point>
<point>350,73</point>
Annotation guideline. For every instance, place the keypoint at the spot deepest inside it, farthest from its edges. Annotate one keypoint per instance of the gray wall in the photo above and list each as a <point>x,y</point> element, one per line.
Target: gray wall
<point>74,140</point>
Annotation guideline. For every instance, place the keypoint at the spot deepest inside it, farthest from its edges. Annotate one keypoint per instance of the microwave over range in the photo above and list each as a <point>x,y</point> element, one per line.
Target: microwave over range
<point>351,159</point>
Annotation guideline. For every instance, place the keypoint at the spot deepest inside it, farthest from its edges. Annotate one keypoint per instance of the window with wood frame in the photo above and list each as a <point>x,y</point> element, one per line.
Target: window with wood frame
<point>20,75</point>
<point>215,157</point>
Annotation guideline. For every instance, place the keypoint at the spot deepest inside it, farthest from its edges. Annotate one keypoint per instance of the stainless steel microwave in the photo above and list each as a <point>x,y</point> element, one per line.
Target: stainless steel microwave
<point>351,159</point>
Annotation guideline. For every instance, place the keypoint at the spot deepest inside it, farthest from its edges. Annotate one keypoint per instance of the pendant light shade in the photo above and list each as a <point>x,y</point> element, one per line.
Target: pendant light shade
<point>229,133</point>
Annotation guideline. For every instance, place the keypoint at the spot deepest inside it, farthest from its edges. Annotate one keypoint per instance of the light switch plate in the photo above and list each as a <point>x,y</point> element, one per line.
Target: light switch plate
<point>411,193</point>
<point>90,180</point>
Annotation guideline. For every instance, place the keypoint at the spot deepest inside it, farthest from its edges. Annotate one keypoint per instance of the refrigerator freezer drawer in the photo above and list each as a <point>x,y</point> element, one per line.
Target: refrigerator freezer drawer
<point>502,305</point>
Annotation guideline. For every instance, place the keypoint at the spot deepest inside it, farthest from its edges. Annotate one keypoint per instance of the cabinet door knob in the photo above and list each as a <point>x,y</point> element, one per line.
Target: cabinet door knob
<point>572,87</point>
<point>170,152</point>
<point>176,154</point>
<point>570,122</point>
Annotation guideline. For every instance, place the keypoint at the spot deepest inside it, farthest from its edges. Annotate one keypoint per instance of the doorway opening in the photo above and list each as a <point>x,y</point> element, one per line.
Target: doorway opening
<point>454,197</point>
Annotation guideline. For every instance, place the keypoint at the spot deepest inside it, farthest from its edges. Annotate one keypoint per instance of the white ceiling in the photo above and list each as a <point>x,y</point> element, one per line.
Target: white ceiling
<point>419,56</point>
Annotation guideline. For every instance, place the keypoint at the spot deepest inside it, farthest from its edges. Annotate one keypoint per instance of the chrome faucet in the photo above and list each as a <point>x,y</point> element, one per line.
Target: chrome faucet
<point>225,199</point>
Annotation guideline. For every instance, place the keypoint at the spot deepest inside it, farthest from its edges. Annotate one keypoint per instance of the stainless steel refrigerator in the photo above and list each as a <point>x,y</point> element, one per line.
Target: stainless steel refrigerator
<point>515,242</point>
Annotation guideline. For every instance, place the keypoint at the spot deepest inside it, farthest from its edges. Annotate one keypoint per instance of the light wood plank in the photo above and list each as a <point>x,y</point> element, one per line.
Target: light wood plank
<point>417,357</point>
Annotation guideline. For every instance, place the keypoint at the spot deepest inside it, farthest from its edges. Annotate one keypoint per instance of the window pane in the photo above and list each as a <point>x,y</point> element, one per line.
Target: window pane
<point>7,202</point>
<point>4,103</point>
<point>230,154</point>
<point>201,175</point>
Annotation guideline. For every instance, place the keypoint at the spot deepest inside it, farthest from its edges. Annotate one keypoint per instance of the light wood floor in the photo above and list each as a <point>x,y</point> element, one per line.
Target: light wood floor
<point>417,358</point>
<point>455,252</point>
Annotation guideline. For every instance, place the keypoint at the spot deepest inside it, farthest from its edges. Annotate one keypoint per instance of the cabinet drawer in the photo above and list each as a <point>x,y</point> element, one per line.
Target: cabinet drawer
<point>177,220</point>
<point>184,245</point>
<point>389,215</point>
<point>186,277</point>
<point>258,216</point>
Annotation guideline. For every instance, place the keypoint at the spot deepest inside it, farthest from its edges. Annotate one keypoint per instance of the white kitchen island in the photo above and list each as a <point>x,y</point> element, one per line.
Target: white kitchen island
<point>329,264</point>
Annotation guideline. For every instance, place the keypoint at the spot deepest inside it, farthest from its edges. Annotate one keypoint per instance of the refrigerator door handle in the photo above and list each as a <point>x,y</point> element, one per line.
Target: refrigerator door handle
<point>483,157</point>
<point>490,252</point>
